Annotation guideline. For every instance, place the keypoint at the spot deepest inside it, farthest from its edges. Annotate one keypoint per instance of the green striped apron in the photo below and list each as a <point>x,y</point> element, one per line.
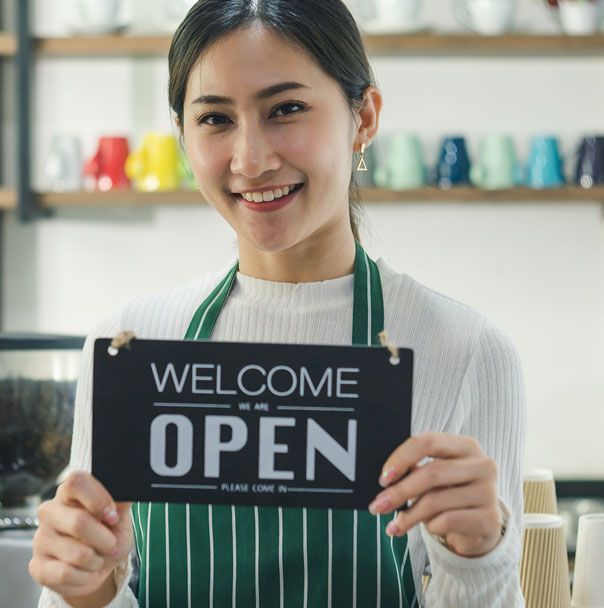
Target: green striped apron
<point>197,556</point>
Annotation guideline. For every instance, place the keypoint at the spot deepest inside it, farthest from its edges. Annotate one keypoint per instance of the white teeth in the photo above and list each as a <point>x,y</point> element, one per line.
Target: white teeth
<point>259,197</point>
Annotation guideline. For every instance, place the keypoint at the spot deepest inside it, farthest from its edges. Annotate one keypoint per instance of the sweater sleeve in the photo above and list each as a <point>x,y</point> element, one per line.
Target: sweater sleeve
<point>493,403</point>
<point>81,459</point>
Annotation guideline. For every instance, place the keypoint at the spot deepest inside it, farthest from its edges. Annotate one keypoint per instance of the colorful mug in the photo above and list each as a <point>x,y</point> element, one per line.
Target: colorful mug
<point>453,166</point>
<point>106,167</point>
<point>590,163</point>
<point>63,166</point>
<point>403,168</point>
<point>497,167</point>
<point>544,168</point>
<point>156,165</point>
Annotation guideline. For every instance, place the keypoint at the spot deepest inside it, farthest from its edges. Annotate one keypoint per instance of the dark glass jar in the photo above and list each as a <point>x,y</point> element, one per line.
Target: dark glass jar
<point>38,376</point>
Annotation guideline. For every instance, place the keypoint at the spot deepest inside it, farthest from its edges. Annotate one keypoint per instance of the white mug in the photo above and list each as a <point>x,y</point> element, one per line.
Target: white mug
<point>166,15</point>
<point>382,16</point>
<point>93,16</point>
<point>488,17</point>
<point>63,166</point>
<point>580,18</point>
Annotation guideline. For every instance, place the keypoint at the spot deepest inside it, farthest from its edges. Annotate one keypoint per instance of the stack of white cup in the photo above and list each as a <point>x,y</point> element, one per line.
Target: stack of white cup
<point>588,587</point>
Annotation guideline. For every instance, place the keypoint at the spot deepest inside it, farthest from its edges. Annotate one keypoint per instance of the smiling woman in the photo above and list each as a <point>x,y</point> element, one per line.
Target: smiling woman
<point>260,114</point>
<point>273,99</point>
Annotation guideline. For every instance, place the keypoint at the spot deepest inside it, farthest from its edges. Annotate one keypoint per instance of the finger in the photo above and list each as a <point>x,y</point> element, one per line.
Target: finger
<point>68,550</point>
<point>436,474</point>
<point>82,488</point>
<point>433,503</point>
<point>55,574</point>
<point>434,445</point>
<point>79,524</point>
<point>467,522</point>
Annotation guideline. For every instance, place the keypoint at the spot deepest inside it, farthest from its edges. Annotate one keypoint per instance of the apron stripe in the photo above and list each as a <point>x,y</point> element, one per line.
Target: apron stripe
<point>188,524</point>
<point>398,577</point>
<point>234,528</point>
<point>305,555</point>
<point>355,524</point>
<point>148,546</point>
<point>281,585</point>
<point>137,539</point>
<point>329,557</point>
<point>256,557</point>
<point>378,593</point>
<point>211,531</point>
<point>167,525</point>
<point>323,577</point>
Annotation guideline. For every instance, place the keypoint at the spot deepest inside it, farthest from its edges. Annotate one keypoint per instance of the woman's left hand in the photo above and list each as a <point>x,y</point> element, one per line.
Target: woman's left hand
<point>455,495</point>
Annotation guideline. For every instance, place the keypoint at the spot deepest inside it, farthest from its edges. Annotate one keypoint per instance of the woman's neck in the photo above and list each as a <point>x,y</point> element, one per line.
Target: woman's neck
<point>318,258</point>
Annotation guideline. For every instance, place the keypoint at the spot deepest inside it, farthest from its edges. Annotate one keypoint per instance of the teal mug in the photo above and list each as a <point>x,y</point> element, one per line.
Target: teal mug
<point>497,167</point>
<point>401,165</point>
<point>545,165</point>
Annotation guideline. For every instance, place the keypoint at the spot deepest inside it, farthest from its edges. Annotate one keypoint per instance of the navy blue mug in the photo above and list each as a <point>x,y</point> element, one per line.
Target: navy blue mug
<point>453,166</point>
<point>590,164</point>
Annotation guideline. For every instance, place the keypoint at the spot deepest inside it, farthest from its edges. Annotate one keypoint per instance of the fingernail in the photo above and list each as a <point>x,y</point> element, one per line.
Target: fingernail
<point>110,516</point>
<point>392,529</point>
<point>379,505</point>
<point>386,477</point>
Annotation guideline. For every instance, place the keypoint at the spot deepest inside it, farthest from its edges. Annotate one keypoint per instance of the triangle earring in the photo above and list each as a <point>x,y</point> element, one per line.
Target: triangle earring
<point>362,166</point>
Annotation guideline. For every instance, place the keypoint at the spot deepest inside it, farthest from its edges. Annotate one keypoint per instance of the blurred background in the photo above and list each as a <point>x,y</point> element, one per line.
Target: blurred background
<point>522,243</point>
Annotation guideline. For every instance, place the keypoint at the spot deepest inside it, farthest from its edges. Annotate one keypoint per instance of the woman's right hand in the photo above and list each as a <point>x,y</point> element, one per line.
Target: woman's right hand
<point>82,536</point>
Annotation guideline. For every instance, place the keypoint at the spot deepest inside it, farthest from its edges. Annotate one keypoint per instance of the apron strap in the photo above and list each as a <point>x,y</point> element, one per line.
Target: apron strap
<point>367,303</point>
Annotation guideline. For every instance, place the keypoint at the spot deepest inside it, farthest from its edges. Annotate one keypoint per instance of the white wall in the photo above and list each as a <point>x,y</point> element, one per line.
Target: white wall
<point>537,269</point>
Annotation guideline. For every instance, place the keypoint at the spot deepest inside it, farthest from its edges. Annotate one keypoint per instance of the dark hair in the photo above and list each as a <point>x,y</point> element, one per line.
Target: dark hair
<point>324,28</point>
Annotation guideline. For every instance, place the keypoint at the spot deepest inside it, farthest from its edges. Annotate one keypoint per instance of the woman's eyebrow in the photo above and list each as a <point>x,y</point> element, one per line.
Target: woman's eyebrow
<point>263,94</point>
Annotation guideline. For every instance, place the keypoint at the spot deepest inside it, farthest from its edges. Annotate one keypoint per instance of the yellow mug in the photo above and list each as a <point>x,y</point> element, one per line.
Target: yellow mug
<point>156,165</point>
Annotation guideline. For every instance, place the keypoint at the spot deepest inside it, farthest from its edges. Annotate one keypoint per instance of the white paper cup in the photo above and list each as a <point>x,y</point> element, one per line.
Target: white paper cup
<point>544,567</point>
<point>588,587</point>
<point>539,491</point>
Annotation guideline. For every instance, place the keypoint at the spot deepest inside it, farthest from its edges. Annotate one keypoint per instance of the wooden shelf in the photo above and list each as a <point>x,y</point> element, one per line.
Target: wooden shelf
<point>8,199</point>
<point>472,44</point>
<point>8,45</point>
<point>474,195</point>
<point>104,46</point>
<point>369,195</point>
<point>437,43</point>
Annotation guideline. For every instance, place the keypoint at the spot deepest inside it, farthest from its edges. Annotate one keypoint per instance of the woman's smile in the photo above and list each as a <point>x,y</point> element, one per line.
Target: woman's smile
<point>269,200</point>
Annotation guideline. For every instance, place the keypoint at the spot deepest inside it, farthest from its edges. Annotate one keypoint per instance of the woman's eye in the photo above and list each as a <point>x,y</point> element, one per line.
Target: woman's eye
<point>205,119</point>
<point>289,105</point>
<point>214,120</point>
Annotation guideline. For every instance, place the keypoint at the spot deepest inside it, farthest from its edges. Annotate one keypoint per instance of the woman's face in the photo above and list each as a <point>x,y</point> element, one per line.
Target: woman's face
<point>258,140</point>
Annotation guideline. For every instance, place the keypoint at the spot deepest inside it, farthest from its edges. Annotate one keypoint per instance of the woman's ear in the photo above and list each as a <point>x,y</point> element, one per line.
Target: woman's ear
<point>178,124</point>
<point>369,115</point>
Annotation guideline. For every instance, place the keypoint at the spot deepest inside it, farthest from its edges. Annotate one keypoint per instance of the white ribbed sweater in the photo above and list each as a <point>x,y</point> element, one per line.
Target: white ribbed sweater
<point>467,381</point>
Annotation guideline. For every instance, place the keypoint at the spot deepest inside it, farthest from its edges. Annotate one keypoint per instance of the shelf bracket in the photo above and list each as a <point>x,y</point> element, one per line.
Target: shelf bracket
<point>26,205</point>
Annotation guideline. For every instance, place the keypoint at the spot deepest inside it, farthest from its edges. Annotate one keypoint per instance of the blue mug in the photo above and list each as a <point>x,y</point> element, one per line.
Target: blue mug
<point>544,168</point>
<point>590,164</point>
<point>453,166</point>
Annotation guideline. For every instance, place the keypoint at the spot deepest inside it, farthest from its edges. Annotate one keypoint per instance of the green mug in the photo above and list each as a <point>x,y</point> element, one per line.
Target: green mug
<point>497,167</point>
<point>402,165</point>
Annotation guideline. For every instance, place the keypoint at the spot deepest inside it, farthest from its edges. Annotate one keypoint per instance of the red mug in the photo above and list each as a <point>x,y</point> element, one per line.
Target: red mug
<point>107,165</point>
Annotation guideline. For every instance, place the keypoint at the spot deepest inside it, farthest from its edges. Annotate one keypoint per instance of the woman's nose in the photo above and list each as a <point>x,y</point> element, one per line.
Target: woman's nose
<point>253,153</point>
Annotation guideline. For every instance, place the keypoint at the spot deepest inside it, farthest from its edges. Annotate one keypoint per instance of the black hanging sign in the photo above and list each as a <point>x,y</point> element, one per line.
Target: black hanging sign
<point>247,424</point>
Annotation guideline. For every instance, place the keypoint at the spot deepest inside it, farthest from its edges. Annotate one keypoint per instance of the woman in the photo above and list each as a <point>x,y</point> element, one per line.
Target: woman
<point>272,98</point>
